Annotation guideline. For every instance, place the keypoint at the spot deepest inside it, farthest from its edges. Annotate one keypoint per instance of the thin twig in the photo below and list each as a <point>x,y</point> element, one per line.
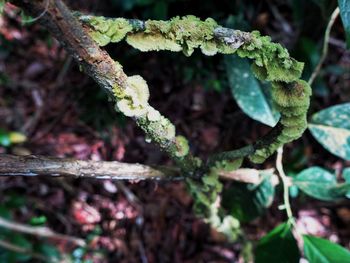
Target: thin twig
<point>325,46</point>
<point>286,183</point>
<point>31,20</point>
<point>21,250</point>
<point>39,231</point>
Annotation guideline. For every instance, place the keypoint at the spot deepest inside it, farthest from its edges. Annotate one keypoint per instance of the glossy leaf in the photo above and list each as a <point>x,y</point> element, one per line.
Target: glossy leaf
<point>247,91</point>
<point>321,184</point>
<point>331,128</point>
<point>278,245</point>
<point>344,6</point>
<point>248,201</point>
<point>319,250</point>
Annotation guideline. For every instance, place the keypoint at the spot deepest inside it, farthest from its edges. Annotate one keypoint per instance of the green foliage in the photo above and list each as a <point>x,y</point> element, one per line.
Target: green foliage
<point>2,3</point>
<point>321,184</point>
<point>9,138</point>
<point>344,6</point>
<point>248,201</point>
<point>331,128</point>
<point>248,93</point>
<point>319,250</point>
<point>278,245</point>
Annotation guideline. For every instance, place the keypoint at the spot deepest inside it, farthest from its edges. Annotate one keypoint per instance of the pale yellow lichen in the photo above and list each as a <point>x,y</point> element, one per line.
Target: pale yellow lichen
<point>152,114</point>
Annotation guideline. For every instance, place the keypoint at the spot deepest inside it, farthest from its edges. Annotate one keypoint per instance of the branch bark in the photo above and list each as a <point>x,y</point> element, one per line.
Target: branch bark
<point>30,165</point>
<point>34,165</point>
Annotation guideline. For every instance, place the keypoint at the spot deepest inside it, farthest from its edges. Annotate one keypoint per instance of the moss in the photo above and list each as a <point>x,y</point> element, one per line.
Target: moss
<point>293,120</point>
<point>292,111</point>
<point>293,94</point>
<point>272,61</point>
<point>228,165</point>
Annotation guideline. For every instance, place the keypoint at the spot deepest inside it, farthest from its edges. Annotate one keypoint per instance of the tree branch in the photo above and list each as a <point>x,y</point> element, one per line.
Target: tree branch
<point>107,73</point>
<point>34,165</point>
<point>30,165</point>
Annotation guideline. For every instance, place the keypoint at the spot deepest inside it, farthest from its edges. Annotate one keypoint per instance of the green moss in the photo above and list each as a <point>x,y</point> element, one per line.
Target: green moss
<point>293,120</point>
<point>272,61</point>
<point>293,94</point>
<point>292,111</point>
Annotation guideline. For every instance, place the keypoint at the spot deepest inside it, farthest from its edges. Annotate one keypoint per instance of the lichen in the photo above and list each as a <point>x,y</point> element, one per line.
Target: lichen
<point>106,30</point>
<point>182,146</point>
<point>132,101</point>
<point>185,33</point>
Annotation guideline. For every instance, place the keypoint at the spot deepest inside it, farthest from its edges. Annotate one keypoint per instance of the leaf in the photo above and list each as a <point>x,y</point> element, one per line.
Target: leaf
<point>331,128</point>
<point>321,184</point>
<point>248,201</point>
<point>278,245</point>
<point>319,250</point>
<point>248,92</point>
<point>344,7</point>
<point>346,176</point>
<point>17,137</point>
<point>4,138</point>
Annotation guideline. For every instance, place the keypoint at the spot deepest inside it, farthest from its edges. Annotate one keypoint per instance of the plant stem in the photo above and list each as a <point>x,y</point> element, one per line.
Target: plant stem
<point>325,46</point>
<point>285,182</point>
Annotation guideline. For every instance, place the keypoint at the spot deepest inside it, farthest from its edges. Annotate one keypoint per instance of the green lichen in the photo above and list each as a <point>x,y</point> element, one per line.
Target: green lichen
<point>132,101</point>
<point>107,30</point>
<point>179,34</point>
<point>182,146</point>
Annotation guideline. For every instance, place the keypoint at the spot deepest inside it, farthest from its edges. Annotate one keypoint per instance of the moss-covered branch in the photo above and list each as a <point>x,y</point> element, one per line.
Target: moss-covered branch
<point>270,62</point>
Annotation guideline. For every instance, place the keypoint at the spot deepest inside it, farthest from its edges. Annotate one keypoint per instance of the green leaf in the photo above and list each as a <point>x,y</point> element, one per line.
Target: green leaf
<point>346,176</point>
<point>248,201</point>
<point>331,128</point>
<point>279,246</point>
<point>248,92</point>
<point>20,241</point>
<point>48,250</point>
<point>344,6</point>
<point>321,184</point>
<point>4,138</point>
<point>319,250</point>
<point>38,220</point>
